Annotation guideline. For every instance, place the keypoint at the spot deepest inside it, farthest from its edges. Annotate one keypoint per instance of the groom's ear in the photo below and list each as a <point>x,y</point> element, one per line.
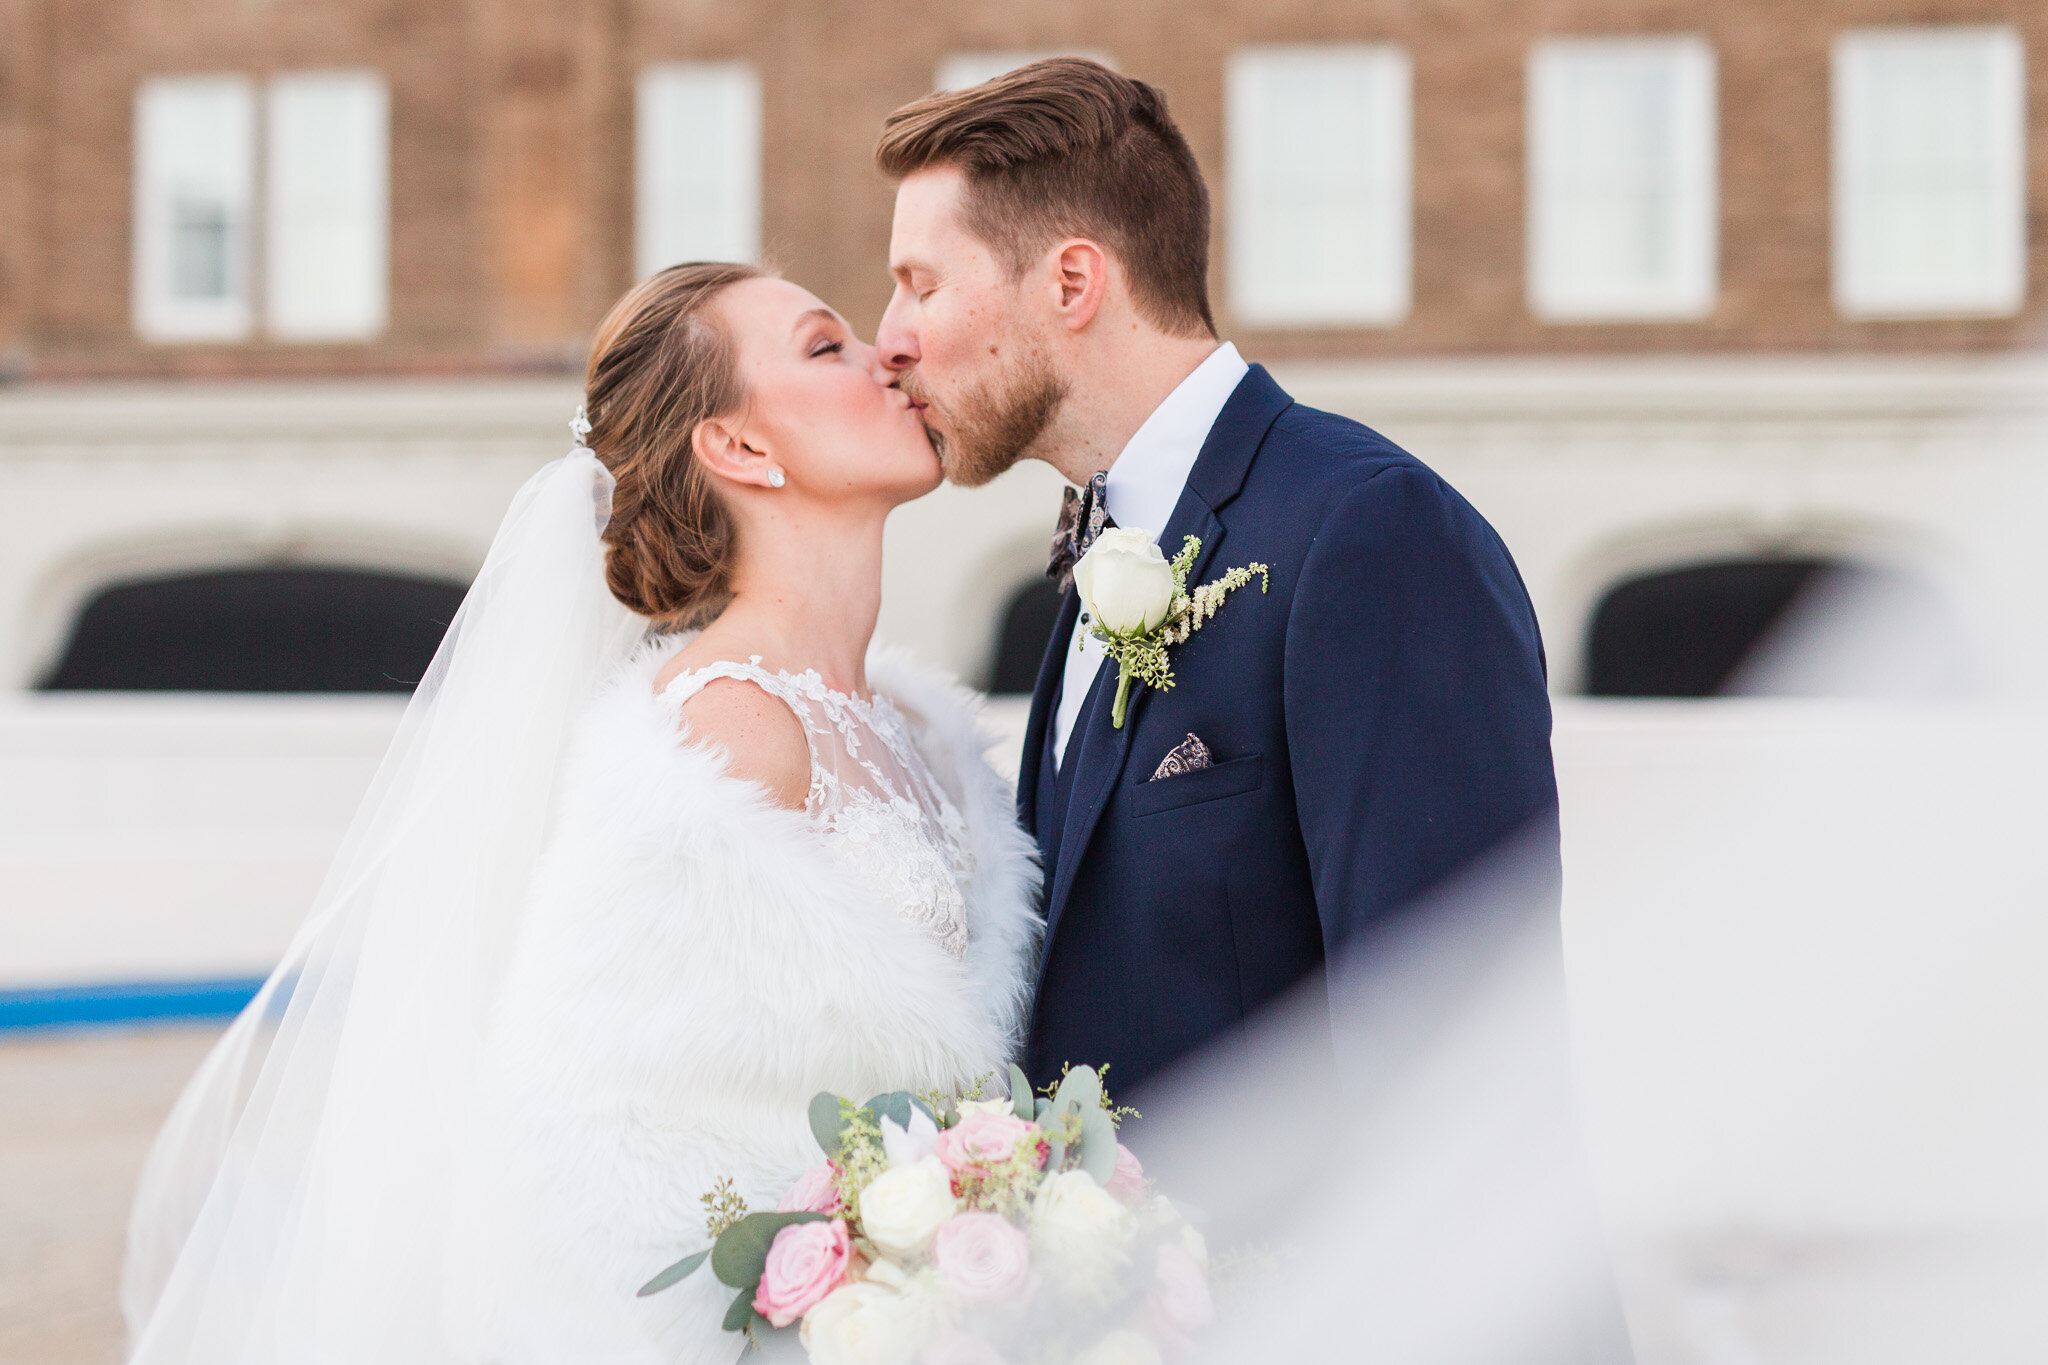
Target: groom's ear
<point>1081,269</point>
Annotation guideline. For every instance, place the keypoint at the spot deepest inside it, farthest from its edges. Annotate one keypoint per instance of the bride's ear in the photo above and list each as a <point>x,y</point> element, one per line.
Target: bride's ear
<point>720,448</point>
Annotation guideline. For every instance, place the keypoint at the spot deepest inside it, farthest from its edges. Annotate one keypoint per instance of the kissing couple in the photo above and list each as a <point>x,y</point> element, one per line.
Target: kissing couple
<point>663,849</point>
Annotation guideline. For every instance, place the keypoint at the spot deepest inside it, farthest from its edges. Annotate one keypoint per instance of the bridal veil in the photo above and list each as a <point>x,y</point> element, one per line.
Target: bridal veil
<point>295,1206</point>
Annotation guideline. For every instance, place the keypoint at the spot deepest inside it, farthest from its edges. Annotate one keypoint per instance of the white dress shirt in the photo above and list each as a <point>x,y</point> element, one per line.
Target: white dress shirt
<point>1143,487</point>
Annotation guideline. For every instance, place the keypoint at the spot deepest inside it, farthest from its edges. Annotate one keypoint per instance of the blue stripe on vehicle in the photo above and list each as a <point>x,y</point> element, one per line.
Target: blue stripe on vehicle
<point>124,1002</point>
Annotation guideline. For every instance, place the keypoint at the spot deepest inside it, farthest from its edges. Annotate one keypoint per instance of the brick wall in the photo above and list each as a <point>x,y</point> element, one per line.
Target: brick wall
<point>512,157</point>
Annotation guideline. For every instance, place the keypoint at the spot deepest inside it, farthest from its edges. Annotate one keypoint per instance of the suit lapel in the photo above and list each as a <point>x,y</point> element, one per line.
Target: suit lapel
<point>1044,695</point>
<point>1096,751</point>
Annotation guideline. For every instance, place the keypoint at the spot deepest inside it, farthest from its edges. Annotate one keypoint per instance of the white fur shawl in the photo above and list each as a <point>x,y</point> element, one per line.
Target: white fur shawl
<point>694,965</point>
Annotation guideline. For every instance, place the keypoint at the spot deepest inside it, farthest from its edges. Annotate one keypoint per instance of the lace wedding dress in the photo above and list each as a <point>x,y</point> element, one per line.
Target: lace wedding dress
<point>697,962</point>
<point>872,797</point>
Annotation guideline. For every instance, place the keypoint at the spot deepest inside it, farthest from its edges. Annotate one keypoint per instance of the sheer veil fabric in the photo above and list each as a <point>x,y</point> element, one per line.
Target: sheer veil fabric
<point>296,1205</point>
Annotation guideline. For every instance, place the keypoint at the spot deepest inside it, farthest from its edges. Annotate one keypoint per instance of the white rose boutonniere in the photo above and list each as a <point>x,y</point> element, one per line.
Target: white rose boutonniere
<point>1139,604</point>
<point>1126,582</point>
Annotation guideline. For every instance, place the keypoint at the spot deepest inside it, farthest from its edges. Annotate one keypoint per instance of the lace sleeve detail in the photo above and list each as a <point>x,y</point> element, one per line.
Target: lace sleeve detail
<point>684,686</point>
<point>871,795</point>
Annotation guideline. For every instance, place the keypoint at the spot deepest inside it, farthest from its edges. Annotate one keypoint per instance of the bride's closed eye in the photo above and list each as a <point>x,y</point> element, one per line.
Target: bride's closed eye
<point>827,348</point>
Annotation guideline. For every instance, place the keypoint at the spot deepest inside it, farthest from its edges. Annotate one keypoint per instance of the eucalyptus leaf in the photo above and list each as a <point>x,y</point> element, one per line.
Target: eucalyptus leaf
<point>1043,1108</point>
<point>741,1251</point>
<point>742,1310</point>
<point>775,1344</point>
<point>675,1274</point>
<point>825,1121</point>
<point>1097,1154</point>
<point>1056,1149</point>
<point>1081,1086</point>
<point>1020,1094</point>
<point>894,1106</point>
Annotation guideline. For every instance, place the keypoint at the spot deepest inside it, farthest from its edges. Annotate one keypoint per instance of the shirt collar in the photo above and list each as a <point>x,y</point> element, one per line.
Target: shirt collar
<point>1145,482</point>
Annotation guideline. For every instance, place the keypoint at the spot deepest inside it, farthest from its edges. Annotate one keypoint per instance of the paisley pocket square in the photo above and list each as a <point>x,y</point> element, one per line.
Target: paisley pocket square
<point>1190,755</point>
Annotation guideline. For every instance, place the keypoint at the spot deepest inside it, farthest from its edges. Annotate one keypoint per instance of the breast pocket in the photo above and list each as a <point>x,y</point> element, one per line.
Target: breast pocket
<point>1233,778</point>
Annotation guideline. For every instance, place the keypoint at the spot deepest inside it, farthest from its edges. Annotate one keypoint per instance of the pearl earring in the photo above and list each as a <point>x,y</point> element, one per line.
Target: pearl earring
<point>775,479</point>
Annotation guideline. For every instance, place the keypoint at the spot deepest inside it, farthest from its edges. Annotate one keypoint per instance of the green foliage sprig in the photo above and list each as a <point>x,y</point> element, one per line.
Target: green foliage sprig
<point>1117,1112</point>
<point>860,1157</point>
<point>723,1206</point>
<point>1141,654</point>
<point>1008,1185</point>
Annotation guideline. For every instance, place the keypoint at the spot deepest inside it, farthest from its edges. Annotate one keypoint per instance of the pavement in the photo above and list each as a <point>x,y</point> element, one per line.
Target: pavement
<point>77,1113</point>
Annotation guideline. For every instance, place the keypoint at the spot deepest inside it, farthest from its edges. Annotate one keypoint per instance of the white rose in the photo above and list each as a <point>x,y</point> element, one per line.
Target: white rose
<point>1002,1109</point>
<point>860,1324</point>
<point>886,1273</point>
<point>900,1209</point>
<point>1121,1348</point>
<point>1079,1233</point>
<point>1125,581</point>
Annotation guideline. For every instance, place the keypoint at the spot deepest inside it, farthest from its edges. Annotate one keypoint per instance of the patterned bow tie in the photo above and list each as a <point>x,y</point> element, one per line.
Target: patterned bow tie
<point>1083,516</point>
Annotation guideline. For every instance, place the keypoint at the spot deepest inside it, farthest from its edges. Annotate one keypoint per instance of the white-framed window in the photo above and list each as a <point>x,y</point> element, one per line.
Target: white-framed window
<point>195,181</point>
<point>307,257</point>
<point>697,160</point>
<point>959,70</point>
<point>1623,171</point>
<point>1930,179</point>
<point>1318,175</point>
<point>327,193</point>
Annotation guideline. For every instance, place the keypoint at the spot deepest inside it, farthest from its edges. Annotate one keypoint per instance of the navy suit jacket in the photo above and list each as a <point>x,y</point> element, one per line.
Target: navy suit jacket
<point>1378,721</point>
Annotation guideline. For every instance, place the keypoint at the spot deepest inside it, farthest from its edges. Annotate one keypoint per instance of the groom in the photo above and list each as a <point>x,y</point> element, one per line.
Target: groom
<point>1332,750</point>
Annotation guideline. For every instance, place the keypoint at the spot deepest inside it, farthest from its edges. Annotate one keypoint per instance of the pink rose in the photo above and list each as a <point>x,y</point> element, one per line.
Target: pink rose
<point>983,1257</point>
<point>815,1191</point>
<point>1180,1302</point>
<point>980,1141</point>
<point>806,1261</point>
<point>1127,1182</point>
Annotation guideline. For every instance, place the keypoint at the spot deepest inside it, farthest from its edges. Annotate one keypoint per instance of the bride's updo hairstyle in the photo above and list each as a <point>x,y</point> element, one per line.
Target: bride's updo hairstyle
<point>663,362</point>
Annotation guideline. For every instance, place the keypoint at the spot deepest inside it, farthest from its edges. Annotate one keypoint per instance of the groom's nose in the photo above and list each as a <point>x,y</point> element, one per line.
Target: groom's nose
<point>895,339</point>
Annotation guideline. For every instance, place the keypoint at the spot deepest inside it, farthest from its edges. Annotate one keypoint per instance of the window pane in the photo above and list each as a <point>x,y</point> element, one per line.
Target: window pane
<point>1621,178</point>
<point>699,164</point>
<point>329,205</point>
<point>1318,170</point>
<point>195,143</point>
<point>199,249</point>
<point>1929,173</point>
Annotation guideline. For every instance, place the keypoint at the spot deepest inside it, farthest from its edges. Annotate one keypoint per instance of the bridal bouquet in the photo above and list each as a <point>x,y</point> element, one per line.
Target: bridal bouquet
<point>954,1230</point>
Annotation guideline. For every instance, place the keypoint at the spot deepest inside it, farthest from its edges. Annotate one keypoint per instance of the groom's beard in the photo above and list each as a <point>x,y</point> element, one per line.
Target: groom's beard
<point>992,427</point>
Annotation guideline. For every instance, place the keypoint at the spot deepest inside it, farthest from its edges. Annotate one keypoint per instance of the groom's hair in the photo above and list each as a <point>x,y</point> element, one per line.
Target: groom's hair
<point>1067,147</point>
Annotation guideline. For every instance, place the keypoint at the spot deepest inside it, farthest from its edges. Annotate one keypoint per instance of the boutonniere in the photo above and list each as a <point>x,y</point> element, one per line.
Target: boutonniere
<point>1139,605</point>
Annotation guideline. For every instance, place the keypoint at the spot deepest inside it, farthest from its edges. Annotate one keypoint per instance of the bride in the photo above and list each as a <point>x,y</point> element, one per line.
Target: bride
<point>621,899</point>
